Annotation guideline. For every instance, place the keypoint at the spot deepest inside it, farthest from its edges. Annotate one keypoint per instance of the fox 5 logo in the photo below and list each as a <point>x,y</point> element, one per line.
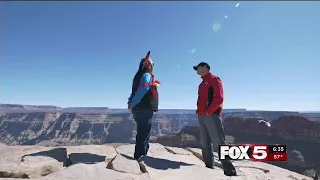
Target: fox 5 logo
<point>244,152</point>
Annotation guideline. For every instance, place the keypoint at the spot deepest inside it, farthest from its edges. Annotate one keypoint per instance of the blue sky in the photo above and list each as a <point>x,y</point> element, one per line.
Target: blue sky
<point>86,53</point>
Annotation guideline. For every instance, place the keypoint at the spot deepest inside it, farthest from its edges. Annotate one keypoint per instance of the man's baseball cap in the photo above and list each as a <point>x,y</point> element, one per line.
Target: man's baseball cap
<point>202,64</point>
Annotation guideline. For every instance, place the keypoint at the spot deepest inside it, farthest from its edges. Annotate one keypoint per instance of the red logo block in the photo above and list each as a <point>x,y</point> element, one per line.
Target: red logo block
<point>254,152</point>
<point>278,157</point>
<point>259,152</point>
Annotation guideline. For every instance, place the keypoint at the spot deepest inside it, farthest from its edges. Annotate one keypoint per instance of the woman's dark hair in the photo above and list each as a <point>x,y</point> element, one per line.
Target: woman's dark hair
<point>141,69</point>
<point>136,79</point>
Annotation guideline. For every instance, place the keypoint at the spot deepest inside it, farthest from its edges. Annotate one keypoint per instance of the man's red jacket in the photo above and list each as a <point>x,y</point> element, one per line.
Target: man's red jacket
<point>210,95</point>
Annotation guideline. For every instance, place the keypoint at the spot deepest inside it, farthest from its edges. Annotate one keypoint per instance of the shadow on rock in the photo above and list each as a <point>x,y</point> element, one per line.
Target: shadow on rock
<point>163,164</point>
<point>59,154</point>
<point>4,174</point>
<point>128,157</point>
<point>86,158</point>
<point>157,163</point>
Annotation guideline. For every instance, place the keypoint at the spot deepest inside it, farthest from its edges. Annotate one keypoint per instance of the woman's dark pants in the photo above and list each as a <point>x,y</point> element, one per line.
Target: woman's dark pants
<point>143,120</point>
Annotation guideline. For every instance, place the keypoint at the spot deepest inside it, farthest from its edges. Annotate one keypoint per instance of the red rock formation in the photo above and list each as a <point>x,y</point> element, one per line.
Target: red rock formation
<point>245,125</point>
<point>194,130</point>
<point>288,127</point>
<point>297,127</point>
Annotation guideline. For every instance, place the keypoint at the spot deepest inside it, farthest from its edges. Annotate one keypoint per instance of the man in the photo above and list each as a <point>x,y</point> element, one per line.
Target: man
<point>143,102</point>
<point>209,111</point>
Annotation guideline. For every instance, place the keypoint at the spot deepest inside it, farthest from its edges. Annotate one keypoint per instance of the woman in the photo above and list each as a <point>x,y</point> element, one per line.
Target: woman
<point>143,102</point>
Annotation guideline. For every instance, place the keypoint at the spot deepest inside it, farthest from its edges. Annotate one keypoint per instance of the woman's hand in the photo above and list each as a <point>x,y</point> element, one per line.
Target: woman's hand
<point>129,106</point>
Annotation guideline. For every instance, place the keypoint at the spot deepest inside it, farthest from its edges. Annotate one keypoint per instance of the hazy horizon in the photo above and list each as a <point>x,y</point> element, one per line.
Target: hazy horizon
<point>159,109</point>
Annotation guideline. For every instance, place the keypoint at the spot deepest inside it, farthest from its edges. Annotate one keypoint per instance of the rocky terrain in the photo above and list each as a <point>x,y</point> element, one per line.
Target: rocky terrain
<point>110,162</point>
<point>55,126</point>
<point>301,136</point>
<point>51,125</point>
<point>18,108</point>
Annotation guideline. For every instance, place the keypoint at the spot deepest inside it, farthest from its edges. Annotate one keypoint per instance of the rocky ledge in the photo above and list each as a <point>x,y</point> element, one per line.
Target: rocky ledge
<point>115,162</point>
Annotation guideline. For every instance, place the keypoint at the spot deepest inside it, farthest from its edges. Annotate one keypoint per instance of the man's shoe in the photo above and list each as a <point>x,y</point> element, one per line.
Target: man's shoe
<point>228,168</point>
<point>231,172</point>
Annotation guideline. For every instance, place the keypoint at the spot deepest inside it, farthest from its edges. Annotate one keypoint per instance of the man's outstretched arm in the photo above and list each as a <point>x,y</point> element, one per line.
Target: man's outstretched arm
<point>217,98</point>
<point>142,89</point>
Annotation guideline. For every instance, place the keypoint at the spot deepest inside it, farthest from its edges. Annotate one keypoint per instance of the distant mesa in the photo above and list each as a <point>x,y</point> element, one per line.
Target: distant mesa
<point>98,110</point>
<point>28,108</point>
<point>101,110</point>
<point>49,108</point>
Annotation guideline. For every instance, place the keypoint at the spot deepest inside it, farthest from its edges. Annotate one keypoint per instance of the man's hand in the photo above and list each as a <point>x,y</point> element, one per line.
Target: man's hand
<point>207,112</point>
<point>129,106</point>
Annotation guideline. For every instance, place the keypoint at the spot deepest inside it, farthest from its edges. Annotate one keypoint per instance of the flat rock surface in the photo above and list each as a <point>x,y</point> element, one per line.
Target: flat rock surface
<point>30,161</point>
<point>92,172</point>
<point>104,162</point>
<point>124,163</point>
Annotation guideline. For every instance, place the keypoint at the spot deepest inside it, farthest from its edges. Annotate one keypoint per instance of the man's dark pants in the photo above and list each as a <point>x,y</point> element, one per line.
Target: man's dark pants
<point>143,120</point>
<point>211,131</point>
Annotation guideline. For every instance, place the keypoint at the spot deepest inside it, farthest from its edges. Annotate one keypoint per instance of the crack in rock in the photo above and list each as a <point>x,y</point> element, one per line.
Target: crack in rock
<point>169,150</point>
<point>109,160</point>
<point>252,167</point>
<point>110,165</point>
<point>5,174</point>
<point>198,155</point>
<point>126,164</point>
<point>292,177</point>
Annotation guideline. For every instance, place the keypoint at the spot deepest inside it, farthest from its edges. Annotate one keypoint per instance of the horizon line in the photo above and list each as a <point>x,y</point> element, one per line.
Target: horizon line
<point>245,109</point>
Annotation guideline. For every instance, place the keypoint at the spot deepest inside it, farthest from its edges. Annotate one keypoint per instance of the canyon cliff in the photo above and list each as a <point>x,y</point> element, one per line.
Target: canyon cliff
<point>55,126</point>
